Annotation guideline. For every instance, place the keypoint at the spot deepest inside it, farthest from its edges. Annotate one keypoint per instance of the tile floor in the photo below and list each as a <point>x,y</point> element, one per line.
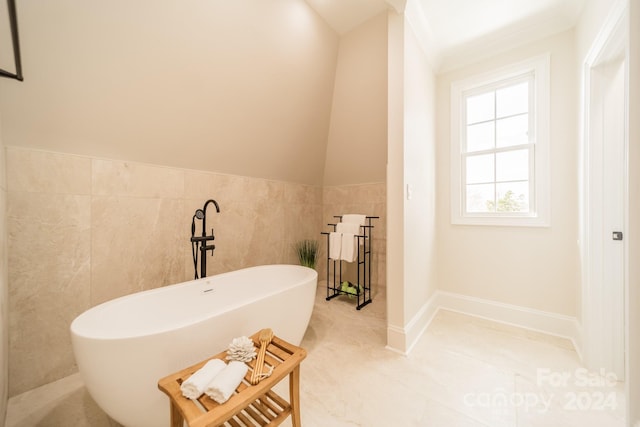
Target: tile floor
<point>463,372</point>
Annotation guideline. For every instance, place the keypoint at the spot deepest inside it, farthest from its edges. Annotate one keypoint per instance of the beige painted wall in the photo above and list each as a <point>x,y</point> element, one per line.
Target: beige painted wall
<point>411,226</point>
<point>357,143</point>
<point>241,87</point>
<point>395,184</point>
<point>419,177</point>
<point>106,228</point>
<point>536,268</point>
<point>593,17</point>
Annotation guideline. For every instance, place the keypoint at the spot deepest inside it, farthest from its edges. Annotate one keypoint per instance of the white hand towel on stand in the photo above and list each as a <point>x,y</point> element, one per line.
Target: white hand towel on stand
<point>194,386</point>
<point>335,245</point>
<point>224,384</point>
<point>349,246</point>
<point>348,227</point>
<point>354,218</point>
<point>349,251</point>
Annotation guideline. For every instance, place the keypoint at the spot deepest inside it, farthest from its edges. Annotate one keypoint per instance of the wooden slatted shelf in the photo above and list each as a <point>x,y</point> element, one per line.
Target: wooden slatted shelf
<point>250,405</point>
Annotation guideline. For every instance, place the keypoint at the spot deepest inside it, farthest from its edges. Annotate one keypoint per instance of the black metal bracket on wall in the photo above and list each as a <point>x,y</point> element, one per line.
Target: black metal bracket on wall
<point>13,22</point>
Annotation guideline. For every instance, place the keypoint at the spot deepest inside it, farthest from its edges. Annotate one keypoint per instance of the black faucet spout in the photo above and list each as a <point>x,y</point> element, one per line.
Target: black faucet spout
<point>207,204</point>
<point>204,215</point>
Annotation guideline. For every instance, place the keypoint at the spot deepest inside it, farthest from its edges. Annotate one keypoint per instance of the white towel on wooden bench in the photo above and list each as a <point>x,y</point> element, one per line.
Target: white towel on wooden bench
<point>195,385</point>
<point>225,383</point>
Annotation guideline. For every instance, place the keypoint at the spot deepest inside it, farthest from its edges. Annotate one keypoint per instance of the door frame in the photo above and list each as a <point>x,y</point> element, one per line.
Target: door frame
<point>610,41</point>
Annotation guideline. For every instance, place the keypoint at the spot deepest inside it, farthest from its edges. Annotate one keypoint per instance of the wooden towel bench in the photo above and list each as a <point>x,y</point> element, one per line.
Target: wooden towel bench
<point>250,405</point>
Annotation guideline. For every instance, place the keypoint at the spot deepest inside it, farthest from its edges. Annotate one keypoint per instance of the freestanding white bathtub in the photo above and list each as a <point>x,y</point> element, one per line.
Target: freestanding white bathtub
<point>124,346</point>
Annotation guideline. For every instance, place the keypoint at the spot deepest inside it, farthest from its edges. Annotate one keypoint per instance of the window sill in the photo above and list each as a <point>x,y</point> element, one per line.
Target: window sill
<point>503,221</point>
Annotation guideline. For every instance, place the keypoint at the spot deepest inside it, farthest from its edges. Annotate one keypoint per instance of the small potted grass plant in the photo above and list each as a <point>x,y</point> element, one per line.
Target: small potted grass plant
<point>307,251</point>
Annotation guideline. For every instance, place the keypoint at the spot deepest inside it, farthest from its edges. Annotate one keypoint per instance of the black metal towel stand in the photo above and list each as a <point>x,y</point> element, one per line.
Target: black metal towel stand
<point>363,285</point>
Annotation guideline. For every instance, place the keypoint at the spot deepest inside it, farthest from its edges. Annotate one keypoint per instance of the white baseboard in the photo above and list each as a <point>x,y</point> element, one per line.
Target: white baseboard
<point>524,317</point>
<point>402,339</point>
<point>396,339</point>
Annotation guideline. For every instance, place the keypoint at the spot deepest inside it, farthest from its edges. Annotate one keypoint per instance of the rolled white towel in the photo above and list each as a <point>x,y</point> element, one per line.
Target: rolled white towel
<point>224,384</point>
<point>194,386</point>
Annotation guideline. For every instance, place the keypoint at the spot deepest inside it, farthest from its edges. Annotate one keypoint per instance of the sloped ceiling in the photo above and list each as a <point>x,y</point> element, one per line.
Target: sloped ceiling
<point>241,87</point>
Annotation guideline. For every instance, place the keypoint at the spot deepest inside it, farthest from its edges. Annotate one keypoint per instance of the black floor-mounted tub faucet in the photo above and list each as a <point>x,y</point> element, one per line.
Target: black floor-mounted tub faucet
<point>199,246</point>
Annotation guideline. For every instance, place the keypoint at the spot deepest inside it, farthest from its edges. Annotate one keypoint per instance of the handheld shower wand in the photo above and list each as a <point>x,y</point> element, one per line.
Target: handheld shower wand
<point>200,215</point>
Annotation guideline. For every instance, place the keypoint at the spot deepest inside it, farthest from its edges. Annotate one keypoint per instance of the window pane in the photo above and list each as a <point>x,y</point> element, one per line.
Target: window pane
<point>480,198</point>
<point>480,136</point>
<point>512,100</point>
<point>480,169</point>
<point>512,165</point>
<point>480,108</point>
<point>513,197</point>
<point>512,131</point>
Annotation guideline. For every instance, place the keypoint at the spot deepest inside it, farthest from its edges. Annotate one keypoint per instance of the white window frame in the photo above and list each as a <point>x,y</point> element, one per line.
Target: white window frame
<point>540,196</point>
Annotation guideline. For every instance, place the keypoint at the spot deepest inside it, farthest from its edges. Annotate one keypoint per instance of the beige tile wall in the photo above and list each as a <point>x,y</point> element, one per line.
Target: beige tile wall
<point>49,225</point>
<point>82,231</point>
<point>4,293</point>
